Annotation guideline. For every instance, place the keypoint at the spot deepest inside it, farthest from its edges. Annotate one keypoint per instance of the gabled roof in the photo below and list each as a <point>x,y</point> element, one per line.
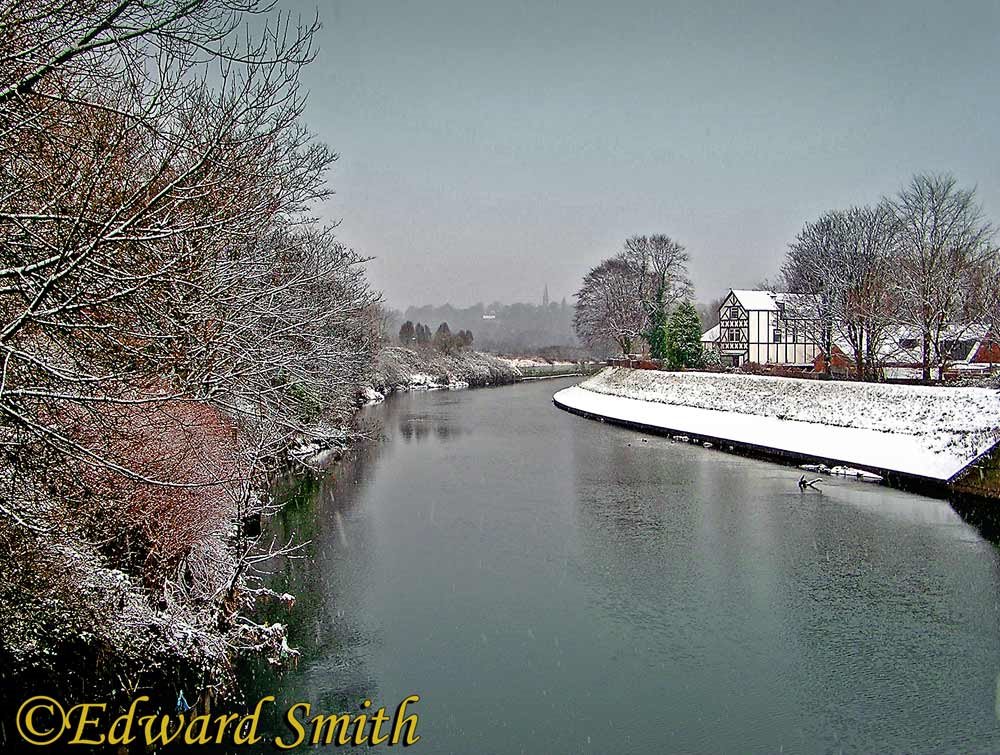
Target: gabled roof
<point>755,300</point>
<point>712,334</point>
<point>797,305</point>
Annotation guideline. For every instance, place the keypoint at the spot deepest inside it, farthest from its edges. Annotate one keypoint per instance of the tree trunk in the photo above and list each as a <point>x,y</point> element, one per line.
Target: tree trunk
<point>828,351</point>
<point>926,356</point>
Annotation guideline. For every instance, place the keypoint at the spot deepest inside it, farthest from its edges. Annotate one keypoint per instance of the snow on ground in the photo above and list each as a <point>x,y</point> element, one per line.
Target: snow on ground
<point>920,430</point>
<point>520,362</point>
<point>399,369</point>
<point>370,396</point>
<point>420,380</point>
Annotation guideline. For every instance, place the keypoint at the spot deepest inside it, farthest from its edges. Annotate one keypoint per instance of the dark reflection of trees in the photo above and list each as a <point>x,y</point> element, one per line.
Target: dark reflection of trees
<point>328,575</point>
<point>979,513</point>
<point>329,675</point>
<point>420,427</point>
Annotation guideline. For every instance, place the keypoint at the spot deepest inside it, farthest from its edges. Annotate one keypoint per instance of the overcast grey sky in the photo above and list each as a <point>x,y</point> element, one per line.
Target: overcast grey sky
<point>488,148</point>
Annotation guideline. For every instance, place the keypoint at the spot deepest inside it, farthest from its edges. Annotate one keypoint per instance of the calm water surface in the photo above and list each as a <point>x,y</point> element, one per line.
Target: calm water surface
<point>549,584</point>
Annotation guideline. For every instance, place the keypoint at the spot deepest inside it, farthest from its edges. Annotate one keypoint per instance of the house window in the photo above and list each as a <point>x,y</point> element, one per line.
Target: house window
<point>777,335</point>
<point>733,335</point>
<point>795,334</point>
<point>734,313</point>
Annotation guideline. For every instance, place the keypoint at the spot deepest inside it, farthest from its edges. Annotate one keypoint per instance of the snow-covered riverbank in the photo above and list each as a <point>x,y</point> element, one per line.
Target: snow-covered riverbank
<point>401,369</point>
<point>926,432</point>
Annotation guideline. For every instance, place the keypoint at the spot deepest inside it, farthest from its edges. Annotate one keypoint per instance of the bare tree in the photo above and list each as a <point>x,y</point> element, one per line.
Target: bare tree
<point>171,318</point>
<point>845,261</point>
<point>608,307</point>
<point>630,295</point>
<point>870,304</point>
<point>944,246</point>
<point>661,268</point>
<point>810,268</point>
<point>989,276</point>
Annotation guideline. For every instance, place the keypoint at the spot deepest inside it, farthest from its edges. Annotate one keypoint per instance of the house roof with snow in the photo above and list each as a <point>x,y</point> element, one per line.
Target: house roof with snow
<point>794,305</point>
<point>711,335</point>
<point>755,300</point>
<point>960,343</point>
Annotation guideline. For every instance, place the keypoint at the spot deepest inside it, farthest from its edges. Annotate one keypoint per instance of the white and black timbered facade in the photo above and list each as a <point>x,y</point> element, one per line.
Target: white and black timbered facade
<point>768,328</point>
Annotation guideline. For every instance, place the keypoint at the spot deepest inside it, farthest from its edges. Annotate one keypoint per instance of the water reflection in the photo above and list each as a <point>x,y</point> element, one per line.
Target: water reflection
<point>549,584</point>
<point>321,512</point>
<point>419,427</point>
<point>981,514</point>
<point>809,621</point>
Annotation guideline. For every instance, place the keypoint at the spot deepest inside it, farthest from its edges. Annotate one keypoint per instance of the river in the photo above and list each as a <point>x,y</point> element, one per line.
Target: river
<point>550,584</point>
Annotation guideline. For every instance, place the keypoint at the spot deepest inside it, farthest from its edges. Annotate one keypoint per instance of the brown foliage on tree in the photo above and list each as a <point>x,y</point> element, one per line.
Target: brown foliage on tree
<point>171,317</point>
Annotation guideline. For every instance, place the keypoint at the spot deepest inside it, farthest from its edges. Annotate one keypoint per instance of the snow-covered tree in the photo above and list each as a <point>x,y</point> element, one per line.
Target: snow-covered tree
<point>628,296</point>
<point>608,307</point>
<point>171,319</point>
<point>844,261</point>
<point>991,294</point>
<point>661,269</point>
<point>944,246</point>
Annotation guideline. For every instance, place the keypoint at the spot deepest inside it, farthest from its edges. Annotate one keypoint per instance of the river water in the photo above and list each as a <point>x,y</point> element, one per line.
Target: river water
<point>550,584</point>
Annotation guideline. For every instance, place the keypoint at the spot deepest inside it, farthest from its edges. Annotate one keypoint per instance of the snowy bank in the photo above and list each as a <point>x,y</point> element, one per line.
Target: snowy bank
<point>531,362</point>
<point>401,369</point>
<point>920,431</point>
<point>532,368</point>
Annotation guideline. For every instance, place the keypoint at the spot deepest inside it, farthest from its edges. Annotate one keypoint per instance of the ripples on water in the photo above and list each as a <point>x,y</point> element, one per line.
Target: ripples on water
<point>550,584</point>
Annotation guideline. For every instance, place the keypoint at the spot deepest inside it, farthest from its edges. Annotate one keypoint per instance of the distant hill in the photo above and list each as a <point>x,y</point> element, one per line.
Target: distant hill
<point>504,328</point>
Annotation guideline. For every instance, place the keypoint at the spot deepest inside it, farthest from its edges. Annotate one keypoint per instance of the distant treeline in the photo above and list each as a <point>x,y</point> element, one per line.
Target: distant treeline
<point>504,328</point>
<point>443,340</point>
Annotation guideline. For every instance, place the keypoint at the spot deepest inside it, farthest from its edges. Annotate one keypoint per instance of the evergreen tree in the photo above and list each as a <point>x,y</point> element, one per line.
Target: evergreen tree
<point>443,339</point>
<point>423,335</point>
<point>683,337</point>
<point>407,334</point>
<point>656,336</point>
